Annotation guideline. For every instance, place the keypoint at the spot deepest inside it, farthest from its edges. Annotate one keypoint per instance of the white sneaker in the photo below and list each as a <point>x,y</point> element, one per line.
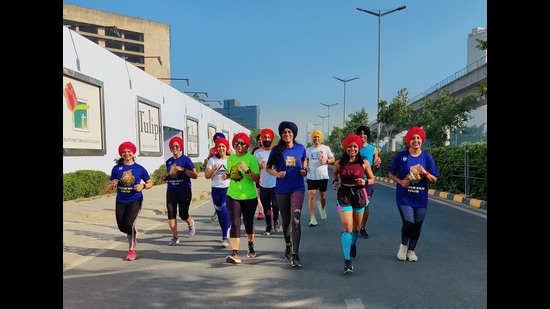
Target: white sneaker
<point>192,229</point>
<point>402,253</point>
<point>323,213</point>
<point>225,243</point>
<point>312,222</point>
<point>411,256</point>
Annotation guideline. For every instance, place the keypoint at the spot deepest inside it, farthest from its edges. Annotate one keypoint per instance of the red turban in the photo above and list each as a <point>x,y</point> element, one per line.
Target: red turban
<point>176,139</point>
<point>267,131</point>
<point>352,138</point>
<point>243,136</point>
<point>413,131</point>
<point>126,145</point>
<point>221,140</point>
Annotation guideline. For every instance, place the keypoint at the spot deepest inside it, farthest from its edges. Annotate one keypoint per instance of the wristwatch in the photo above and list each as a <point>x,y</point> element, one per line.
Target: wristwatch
<point>248,171</point>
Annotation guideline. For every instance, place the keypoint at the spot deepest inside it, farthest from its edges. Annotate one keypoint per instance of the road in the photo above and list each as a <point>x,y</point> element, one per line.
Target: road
<point>451,271</point>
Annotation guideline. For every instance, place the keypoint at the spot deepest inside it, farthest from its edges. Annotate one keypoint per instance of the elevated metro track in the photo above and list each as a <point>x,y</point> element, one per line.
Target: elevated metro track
<point>459,84</point>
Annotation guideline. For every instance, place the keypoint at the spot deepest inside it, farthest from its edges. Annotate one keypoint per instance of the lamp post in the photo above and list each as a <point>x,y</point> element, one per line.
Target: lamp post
<point>344,81</point>
<point>380,14</point>
<point>322,122</point>
<point>328,115</point>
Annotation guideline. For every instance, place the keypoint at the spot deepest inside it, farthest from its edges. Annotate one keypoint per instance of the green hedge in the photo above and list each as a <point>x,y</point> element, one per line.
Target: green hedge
<point>88,183</point>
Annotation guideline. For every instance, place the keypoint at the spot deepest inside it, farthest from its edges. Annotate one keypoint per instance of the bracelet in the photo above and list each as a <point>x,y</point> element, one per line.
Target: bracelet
<point>426,174</point>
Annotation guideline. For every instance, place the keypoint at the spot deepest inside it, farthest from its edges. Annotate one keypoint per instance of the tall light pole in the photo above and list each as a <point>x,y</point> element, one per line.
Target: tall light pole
<point>322,124</point>
<point>328,115</point>
<point>344,81</point>
<point>380,14</point>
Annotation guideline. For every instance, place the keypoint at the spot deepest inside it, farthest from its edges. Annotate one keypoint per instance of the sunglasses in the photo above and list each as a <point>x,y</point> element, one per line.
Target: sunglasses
<point>175,146</point>
<point>239,143</point>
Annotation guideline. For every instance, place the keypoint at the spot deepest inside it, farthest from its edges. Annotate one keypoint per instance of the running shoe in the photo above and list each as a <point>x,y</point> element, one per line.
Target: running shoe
<point>260,216</point>
<point>192,229</point>
<point>132,255</point>
<point>214,217</point>
<point>323,213</point>
<point>267,232</point>
<point>411,256</point>
<point>295,262</point>
<point>276,226</point>
<point>174,241</point>
<point>402,252</point>
<point>288,251</point>
<point>225,243</point>
<point>251,253</point>
<point>363,233</point>
<point>348,267</point>
<point>234,258</point>
<point>313,222</point>
<point>353,251</point>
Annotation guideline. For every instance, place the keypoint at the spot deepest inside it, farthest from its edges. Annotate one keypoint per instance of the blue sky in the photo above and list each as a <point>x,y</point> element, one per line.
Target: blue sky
<point>282,54</point>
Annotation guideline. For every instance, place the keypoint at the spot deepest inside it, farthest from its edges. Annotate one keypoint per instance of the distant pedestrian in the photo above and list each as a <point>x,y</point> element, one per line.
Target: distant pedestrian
<point>370,153</point>
<point>180,170</point>
<point>267,183</point>
<point>260,206</point>
<point>212,152</point>
<point>412,170</point>
<point>288,162</point>
<point>349,178</point>
<point>215,169</point>
<point>319,156</point>
<point>130,179</point>
<point>242,200</point>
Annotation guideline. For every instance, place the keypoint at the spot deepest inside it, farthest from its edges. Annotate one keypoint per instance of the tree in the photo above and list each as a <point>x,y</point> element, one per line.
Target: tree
<point>397,116</point>
<point>482,44</point>
<point>337,135</point>
<point>443,115</point>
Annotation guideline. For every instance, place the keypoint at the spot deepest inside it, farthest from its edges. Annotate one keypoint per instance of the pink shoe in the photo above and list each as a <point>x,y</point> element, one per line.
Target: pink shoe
<point>132,255</point>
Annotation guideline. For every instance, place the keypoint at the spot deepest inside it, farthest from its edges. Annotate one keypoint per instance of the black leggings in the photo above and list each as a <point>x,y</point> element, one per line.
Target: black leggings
<point>290,205</point>
<point>237,207</point>
<point>126,215</point>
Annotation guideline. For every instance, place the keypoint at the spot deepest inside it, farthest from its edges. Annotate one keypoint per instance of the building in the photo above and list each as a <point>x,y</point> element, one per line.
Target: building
<point>248,116</point>
<point>144,43</point>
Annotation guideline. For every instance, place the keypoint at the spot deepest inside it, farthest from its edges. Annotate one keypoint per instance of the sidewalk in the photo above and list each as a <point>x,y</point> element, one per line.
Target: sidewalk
<point>89,224</point>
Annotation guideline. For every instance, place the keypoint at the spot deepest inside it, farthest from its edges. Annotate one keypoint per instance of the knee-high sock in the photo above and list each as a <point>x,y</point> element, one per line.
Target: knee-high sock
<point>346,244</point>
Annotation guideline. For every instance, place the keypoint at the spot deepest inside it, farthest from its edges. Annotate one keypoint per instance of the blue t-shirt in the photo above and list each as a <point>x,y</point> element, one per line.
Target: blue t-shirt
<point>128,176</point>
<point>416,194</point>
<point>367,152</point>
<point>179,181</point>
<point>291,162</point>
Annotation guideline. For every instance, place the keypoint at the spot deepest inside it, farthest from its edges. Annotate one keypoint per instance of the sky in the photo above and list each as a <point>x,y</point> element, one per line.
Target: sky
<point>282,55</point>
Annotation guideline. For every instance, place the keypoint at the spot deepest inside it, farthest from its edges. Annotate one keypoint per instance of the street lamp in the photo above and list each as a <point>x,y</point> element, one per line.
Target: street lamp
<point>328,115</point>
<point>344,81</point>
<point>322,122</point>
<point>380,14</point>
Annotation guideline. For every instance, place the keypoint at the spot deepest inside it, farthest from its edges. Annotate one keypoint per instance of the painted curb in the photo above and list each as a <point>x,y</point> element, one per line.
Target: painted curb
<point>459,198</point>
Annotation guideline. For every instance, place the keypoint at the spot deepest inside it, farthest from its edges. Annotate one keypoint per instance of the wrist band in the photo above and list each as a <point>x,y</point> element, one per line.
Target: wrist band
<point>335,180</point>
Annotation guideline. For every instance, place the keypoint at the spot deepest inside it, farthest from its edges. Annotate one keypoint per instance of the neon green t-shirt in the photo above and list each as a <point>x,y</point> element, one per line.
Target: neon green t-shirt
<point>241,186</point>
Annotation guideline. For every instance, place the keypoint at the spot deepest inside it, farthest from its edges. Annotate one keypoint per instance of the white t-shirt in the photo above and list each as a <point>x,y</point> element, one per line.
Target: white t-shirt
<point>316,171</point>
<point>266,180</point>
<point>217,180</point>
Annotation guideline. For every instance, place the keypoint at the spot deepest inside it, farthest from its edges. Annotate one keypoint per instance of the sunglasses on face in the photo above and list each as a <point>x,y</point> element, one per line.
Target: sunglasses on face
<point>175,146</point>
<point>239,143</point>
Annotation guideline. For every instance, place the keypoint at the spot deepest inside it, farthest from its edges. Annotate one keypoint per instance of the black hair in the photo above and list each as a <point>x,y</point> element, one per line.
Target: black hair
<point>364,129</point>
<point>281,146</point>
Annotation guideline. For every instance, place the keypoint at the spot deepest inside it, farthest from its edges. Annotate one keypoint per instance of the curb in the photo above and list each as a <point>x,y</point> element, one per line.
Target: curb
<point>459,198</point>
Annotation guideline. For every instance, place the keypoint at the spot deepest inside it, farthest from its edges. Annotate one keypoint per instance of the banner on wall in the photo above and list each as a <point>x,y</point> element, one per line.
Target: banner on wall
<point>83,115</point>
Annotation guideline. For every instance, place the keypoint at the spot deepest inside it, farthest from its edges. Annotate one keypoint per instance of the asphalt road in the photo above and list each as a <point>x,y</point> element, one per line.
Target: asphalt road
<point>451,271</point>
